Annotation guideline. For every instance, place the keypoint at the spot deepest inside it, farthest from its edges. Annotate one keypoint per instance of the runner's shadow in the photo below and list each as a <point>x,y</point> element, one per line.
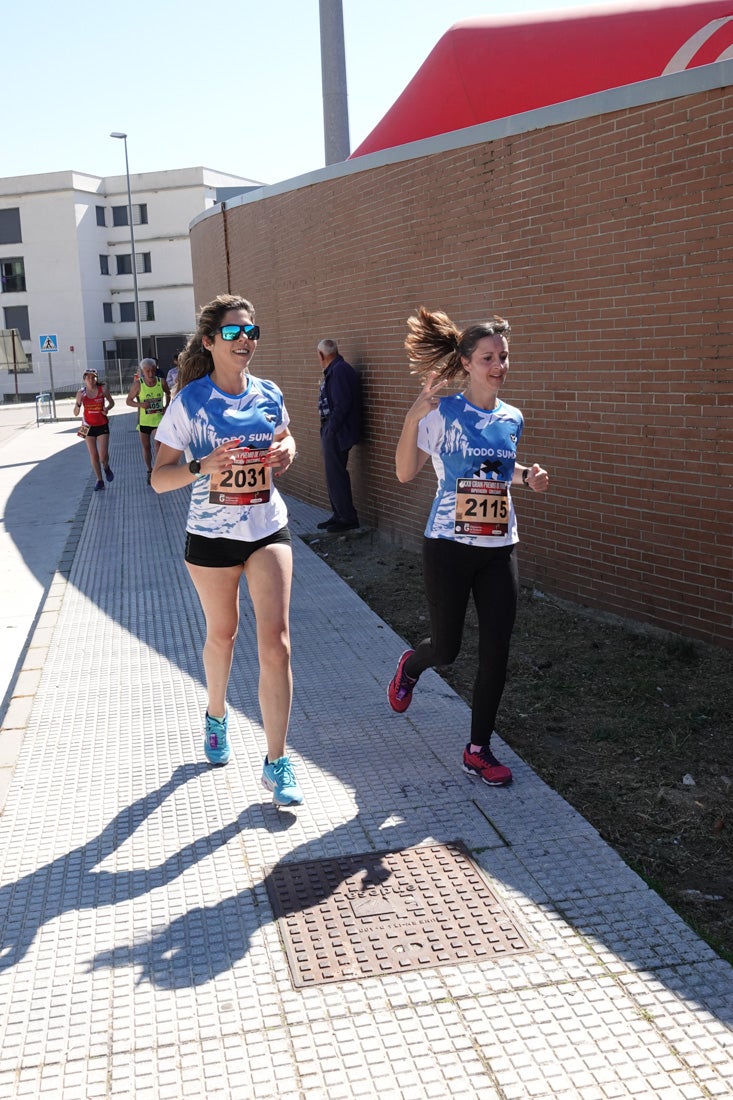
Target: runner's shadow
<point>196,946</point>
<point>69,882</point>
<point>209,940</point>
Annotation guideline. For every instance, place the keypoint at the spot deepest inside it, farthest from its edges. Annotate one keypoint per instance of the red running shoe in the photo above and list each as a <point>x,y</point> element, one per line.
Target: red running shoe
<point>401,686</point>
<point>485,765</point>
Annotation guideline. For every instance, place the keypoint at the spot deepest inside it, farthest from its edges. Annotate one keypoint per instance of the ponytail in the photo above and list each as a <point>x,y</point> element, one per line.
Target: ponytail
<point>434,342</point>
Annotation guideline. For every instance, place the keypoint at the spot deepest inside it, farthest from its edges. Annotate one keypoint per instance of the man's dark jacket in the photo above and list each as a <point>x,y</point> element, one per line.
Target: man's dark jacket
<point>343,397</point>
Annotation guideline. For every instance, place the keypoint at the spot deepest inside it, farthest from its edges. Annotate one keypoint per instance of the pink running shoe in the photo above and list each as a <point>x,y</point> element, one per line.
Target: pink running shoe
<point>401,686</point>
<point>485,765</point>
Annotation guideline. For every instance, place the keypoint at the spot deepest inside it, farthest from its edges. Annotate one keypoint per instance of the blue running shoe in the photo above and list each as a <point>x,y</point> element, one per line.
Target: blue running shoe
<point>279,778</point>
<point>98,486</point>
<point>108,473</point>
<point>216,741</point>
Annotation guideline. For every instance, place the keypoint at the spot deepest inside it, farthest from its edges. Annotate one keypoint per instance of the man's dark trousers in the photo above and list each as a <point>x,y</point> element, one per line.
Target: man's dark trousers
<point>337,478</point>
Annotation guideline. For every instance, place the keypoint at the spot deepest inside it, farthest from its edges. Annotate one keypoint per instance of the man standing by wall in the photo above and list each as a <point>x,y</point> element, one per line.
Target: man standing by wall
<point>339,406</point>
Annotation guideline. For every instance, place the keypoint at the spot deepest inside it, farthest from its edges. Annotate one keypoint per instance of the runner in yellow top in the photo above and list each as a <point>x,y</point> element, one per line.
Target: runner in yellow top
<point>151,396</point>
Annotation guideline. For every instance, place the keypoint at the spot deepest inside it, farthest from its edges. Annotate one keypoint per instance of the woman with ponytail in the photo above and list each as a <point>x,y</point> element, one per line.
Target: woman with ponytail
<point>471,533</point>
<point>234,429</point>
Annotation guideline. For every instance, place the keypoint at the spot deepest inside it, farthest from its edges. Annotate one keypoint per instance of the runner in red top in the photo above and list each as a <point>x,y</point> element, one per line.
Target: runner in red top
<point>96,401</point>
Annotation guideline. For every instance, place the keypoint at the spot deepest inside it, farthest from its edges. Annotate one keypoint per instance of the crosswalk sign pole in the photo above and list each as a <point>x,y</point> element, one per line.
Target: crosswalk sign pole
<point>53,392</point>
<point>49,342</point>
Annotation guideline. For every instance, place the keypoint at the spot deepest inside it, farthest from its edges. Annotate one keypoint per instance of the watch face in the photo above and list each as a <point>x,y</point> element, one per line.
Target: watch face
<point>194,466</point>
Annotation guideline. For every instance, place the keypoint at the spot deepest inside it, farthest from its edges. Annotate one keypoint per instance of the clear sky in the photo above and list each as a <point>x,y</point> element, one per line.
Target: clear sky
<point>236,88</point>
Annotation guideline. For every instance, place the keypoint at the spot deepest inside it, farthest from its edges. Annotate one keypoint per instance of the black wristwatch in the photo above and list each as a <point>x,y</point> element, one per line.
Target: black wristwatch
<point>525,476</point>
<point>195,467</point>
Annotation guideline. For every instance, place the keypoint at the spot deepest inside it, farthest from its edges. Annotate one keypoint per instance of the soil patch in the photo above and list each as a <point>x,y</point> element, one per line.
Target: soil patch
<point>631,726</point>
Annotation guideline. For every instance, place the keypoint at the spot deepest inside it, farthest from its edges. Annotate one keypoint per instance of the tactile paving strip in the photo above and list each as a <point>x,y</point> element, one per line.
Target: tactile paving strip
<point>387,912</point>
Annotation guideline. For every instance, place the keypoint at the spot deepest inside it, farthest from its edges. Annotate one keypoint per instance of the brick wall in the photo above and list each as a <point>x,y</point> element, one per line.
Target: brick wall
<point>607,243</point>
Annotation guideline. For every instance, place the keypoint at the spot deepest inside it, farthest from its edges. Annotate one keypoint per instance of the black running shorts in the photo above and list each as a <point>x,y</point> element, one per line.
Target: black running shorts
<point>223,553</point>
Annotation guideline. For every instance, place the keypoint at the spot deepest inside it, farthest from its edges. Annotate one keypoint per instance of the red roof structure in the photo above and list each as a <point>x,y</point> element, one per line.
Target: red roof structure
<point>489,68</point>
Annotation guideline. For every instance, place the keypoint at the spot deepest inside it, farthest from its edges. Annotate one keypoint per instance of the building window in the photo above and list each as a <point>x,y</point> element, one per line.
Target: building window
<point>127,311</point>
<point>107,310</point>
<point>101,215</point>
<point>139,214</point>
<point>17,317</point>
<point>142,261</point>
<point>10,226</point>
<point>18,361</point>
<point>104,265</point>
<point>13,275</point>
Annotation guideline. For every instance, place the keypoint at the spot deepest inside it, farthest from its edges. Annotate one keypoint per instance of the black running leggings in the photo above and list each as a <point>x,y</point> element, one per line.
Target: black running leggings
<point>452,571</point>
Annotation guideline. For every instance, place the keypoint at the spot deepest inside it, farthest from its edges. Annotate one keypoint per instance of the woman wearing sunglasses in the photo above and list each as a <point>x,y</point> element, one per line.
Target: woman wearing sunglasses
<point>471,534</point>
<point>233,428</point>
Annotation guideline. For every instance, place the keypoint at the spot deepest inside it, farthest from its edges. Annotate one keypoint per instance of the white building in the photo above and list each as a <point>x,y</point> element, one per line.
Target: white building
<point>65,262</point>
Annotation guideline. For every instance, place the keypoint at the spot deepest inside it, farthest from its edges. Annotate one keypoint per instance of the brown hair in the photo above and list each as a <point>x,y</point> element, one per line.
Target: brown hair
<point>435,342</point>
<point>195,360</point>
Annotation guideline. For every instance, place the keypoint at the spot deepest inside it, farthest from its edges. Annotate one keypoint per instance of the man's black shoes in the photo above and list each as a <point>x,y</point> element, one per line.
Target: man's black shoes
<point>336,526</point>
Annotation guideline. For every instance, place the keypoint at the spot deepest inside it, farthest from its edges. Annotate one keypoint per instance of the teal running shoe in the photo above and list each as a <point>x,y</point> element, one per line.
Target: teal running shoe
<point>216,741</point>
<point>279,778</point>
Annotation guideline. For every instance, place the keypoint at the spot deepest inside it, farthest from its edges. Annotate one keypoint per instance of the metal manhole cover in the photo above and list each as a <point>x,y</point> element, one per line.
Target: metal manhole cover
<point>387,912</point>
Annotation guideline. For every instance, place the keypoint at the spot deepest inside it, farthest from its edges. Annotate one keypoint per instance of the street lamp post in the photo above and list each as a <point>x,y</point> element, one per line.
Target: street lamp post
<point>123,137</point>
<point>333,76</point>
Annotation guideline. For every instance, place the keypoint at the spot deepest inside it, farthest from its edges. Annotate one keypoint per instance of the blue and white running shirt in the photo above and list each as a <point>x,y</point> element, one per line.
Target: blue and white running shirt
<point>477,445</point>
<point>202,417</point>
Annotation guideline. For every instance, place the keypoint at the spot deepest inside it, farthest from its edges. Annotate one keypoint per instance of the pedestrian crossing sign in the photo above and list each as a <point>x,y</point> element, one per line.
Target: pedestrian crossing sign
<point>49,342</point>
